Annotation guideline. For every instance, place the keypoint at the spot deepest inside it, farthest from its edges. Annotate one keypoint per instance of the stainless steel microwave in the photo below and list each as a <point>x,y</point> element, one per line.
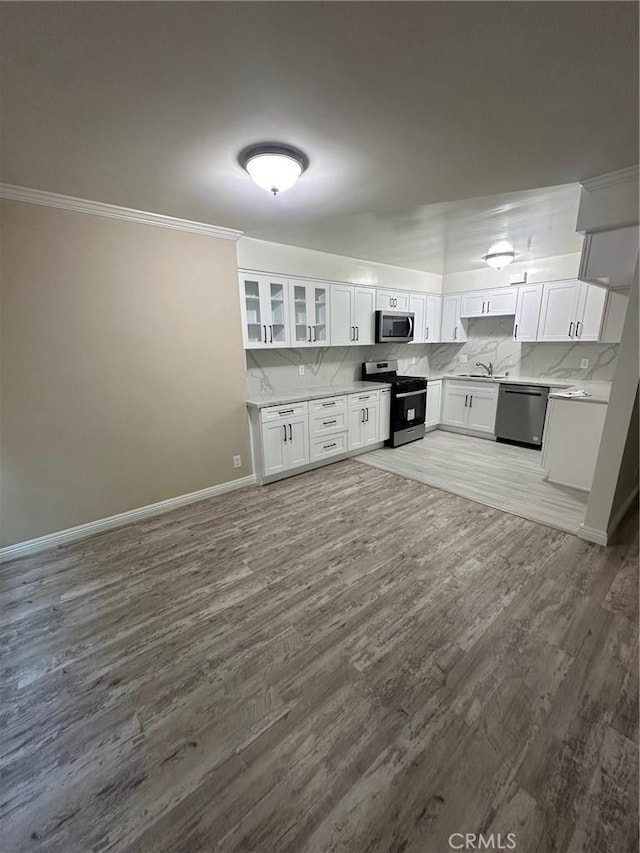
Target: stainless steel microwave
<point>394,326</point>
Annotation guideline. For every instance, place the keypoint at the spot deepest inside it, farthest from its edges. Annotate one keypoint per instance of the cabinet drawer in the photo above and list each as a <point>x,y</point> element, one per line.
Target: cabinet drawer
<point>328,404</point>
<point>359,400</point>
<point>275,413</point>
<point>330,445</point>
<point>328,422</point>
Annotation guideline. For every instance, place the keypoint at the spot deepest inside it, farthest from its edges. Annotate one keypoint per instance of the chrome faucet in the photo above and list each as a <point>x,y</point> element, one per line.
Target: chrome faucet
<point>488,368</point>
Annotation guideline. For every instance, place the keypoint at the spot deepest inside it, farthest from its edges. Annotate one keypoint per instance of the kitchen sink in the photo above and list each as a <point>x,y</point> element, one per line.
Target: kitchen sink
<point>482,375</point>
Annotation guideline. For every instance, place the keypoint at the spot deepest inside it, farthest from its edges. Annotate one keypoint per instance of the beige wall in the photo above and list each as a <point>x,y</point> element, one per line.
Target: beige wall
<point>122,366</point>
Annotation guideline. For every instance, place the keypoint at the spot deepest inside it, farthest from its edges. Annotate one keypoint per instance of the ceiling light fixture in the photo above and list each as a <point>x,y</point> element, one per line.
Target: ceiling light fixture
<point>273,166</point>
<point>500,255</point>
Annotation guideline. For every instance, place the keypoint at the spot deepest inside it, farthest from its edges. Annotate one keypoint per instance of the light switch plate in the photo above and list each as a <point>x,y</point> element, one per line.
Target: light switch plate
<point>301,370</point>
<point>464,359</point>
<point>584,362</point>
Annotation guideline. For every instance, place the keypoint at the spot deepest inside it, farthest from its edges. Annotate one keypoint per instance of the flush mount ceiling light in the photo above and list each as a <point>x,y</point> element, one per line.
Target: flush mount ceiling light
<point>500,255</point>
<point>273,166</point>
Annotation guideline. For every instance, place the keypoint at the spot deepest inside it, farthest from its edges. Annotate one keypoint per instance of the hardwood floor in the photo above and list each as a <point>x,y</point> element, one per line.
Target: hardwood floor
<point>343,661</point>
<point>502,476</point>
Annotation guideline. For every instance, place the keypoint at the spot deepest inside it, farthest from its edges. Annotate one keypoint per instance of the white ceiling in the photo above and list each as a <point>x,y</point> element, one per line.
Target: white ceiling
<point>401,107</point>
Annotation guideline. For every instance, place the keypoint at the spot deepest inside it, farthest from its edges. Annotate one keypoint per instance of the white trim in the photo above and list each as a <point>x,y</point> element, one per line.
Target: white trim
<point>81,205</point>
<point>622,176</point>
<point>617,518</point>
<point>73,534</point>
<point>591,534</point>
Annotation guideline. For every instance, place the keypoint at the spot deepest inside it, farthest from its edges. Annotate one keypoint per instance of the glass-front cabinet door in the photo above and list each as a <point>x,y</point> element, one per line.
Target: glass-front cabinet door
<point>309,314</point>
<point>264,305</point>
<point>320,315</point>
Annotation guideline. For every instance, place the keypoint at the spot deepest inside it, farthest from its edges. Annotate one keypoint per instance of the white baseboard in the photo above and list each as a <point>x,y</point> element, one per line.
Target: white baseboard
<point>73,534</point>
<point>602,537</point>
<point>592,534</point>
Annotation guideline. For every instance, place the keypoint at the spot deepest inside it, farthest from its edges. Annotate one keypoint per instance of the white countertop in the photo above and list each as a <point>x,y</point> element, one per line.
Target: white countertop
<point>313,392</point>
<point>598,392</point>
<point>513,380</point>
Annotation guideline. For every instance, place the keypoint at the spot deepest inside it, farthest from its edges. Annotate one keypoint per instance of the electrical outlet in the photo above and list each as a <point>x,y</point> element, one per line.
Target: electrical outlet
<point>237,461</point>
<point>584,362</point>
<point>301,370</point>
<point>464,359</point>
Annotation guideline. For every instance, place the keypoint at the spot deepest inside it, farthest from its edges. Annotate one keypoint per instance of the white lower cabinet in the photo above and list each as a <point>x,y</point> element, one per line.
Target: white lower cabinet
<point>469,406</point>
<point>434,398</point>
<point>572,434</point>
<point>330,445</point>
<point>385,414</point>
<point>364,419</point>
<point>306,433</point>
<point>285,438</point>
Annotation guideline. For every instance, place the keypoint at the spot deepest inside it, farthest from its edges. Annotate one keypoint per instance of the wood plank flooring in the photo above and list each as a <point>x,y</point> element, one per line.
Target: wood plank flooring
<point>502,476</point>
<point>343,661</point>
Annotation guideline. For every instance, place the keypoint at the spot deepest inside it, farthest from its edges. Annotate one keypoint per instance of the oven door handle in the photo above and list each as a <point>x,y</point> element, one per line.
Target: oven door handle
<point>411,393</point>
<point>410,327</point>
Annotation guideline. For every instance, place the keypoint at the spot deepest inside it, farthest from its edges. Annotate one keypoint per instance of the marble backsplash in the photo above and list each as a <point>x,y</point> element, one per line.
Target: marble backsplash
<point>488,339</point>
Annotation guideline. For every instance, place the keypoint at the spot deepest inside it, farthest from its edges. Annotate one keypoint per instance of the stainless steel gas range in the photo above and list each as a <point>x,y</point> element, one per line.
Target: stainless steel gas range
<point>408,400</point>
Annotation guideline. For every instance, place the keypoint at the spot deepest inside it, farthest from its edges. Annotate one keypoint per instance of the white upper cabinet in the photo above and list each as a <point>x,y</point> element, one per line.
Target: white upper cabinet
<point>558,311</point>
<point>610,257</point>
<point>309,303</point>
<point>418,305</point>
<point>392,300</point>
<point>590,313</point>
<point>571,311</point>
<point>352,312</point>
<point>265,311</point>
<point>452,329</point>
<point>489,303</point>
<point>525,327</point>
<point>433,319</point>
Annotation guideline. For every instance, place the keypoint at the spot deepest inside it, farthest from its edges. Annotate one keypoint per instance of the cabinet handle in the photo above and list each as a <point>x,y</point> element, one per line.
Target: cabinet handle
<point>515,332</point>
<point>488,305</point>
<point>471,401</point>
<point>290,433</point>
<point>328,446</point>
<point>466,400</point>
<point>265,333</point>
<point>332,403</point>
<point>285,433</point>
<point>309,327</point>
<point>285,412</point>
<point>427,335</point>
<point>315,338</point>
<point>361,416</point>
<point>578,324</point>
<point>482,308</point>
<point>353,333</point>
<point>328,423</point>
<point>270,334</point>
<point>367,418</point>
<point>455,332</point>
<point>357,333</point>
<point>571,329</point>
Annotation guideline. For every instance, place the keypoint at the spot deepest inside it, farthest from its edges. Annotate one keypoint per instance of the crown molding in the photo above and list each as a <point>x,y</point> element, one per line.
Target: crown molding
<point>622,176</point>
<point>112,211</point>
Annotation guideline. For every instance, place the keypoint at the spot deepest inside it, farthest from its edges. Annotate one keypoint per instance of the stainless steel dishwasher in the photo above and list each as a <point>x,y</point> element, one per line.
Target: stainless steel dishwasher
<point>520,415</point>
